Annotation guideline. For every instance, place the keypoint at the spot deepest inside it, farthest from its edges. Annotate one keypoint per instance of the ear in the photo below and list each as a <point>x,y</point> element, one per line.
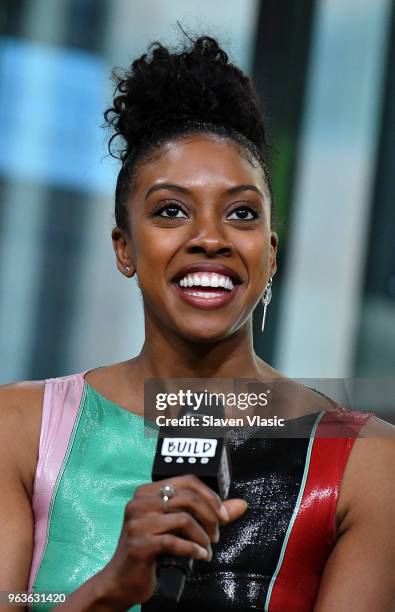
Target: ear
<point>121,243</point>
<point>273,253</point>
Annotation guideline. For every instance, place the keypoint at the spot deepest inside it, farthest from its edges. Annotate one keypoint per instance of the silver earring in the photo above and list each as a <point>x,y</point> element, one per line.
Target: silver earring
<point>267,296</point>
<point>127,269</point>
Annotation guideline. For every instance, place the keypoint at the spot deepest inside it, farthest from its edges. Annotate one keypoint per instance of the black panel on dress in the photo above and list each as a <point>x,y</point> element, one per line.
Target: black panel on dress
<point>267,473</point>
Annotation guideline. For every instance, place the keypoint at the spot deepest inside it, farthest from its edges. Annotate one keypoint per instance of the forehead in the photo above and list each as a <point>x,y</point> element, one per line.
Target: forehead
<point>201,162</point>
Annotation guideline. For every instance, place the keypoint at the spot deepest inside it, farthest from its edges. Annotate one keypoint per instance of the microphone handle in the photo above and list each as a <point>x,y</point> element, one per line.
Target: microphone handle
<point>172,573</point>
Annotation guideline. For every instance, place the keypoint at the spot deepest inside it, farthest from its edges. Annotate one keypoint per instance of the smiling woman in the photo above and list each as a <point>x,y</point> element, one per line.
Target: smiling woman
<point>194,184</point>
<point>207,223</point>
<point>302,529</point>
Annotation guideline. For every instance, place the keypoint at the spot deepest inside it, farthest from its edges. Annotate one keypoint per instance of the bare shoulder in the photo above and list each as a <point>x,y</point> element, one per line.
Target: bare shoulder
<point>368,487</point>
<point>16,394</point>
<point>359,574</point>
<point>20,413</point>
<point>20,417</point>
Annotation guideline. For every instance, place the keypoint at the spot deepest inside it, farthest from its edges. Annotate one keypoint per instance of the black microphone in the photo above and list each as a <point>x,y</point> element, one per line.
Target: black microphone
<point>198,449</point>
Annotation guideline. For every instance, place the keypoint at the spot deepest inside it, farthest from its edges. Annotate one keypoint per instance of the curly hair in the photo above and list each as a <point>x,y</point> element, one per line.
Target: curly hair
<point>165,95</point>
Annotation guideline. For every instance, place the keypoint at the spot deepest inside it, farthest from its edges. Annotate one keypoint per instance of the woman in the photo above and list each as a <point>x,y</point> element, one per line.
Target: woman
<point>78,510</point>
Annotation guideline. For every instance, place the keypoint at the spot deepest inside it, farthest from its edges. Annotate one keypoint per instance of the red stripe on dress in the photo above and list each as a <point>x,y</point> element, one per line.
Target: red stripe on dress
<point>312,536</point>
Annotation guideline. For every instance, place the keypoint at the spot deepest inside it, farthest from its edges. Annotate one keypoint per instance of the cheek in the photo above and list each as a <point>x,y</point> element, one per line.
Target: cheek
<point>155,248</point>
<point>255,250</point>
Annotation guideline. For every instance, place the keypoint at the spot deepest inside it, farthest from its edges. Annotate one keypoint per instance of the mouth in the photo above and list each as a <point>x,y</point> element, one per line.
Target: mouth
<point>207,289</point>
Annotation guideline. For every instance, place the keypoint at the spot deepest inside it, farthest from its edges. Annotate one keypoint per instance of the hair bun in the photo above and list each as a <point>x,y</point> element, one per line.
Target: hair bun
<point>164,89</point>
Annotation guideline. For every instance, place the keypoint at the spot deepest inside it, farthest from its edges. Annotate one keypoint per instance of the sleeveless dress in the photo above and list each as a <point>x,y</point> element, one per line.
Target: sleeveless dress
<point>94,454</point>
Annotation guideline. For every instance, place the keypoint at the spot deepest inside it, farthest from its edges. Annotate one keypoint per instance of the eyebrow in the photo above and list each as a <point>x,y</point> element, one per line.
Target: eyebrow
<point>185,190</point>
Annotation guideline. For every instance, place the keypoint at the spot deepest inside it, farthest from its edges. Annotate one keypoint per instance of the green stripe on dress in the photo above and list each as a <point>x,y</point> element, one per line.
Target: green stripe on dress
<point>107,459</point>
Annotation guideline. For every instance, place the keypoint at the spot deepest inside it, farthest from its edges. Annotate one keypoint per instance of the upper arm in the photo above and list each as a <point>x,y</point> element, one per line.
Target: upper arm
<point>360,572</point>
<point>20,419</point>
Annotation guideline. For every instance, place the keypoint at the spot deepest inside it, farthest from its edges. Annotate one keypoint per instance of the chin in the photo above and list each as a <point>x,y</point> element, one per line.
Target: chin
<point>205,336</point>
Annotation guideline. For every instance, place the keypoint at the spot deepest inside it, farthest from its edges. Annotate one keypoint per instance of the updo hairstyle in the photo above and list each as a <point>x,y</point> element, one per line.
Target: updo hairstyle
<point>166,95</point>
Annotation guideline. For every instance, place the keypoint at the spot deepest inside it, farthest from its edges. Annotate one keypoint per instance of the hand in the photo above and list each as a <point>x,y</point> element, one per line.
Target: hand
<point>191,523</point>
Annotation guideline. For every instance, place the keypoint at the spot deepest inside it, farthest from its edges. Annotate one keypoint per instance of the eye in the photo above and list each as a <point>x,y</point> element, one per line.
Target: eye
<point>172,212</point>
<point>244,213</point>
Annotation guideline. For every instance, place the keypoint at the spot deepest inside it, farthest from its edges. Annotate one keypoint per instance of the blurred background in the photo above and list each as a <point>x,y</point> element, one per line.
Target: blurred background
<point>325,72</point>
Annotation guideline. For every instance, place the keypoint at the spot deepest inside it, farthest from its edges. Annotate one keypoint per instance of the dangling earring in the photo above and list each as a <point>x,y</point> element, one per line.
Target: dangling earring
<point>267,296</point>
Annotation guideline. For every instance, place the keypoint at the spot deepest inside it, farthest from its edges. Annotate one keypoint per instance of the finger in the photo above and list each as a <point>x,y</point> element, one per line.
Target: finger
<point>172,545</point>
<point>181,523</point>
<point>193,483</point>
<point>226,511</point>
<point>184,500</point>
<point>235,508</point>
<point>148,549</point>
<point>186,481</point>
<point>194,504</point>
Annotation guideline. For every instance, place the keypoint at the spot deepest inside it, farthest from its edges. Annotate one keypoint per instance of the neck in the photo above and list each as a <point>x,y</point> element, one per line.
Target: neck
<point>167,355</point>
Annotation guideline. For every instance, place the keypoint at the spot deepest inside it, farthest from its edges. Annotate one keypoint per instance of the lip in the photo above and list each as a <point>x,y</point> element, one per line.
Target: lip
<point>205,303</point>
<point>207,266</point>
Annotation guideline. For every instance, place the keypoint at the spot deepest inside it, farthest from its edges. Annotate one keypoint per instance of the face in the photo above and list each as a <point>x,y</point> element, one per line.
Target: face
<point>200,240</point>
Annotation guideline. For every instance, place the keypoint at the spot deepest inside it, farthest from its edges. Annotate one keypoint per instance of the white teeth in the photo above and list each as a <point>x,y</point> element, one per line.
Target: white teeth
<point>206,279</point>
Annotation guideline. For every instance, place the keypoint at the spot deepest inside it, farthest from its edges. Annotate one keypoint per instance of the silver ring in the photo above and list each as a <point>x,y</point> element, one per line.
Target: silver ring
<point>166,492</point>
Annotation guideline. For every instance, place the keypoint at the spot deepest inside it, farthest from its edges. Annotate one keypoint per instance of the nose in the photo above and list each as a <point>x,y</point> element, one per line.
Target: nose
<point>209,237</point>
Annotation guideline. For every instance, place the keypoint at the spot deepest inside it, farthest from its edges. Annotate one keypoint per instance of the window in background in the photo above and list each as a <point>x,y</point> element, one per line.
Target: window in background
<point>281,63</point>
<point>322,286</point>
<point>375,354</point>
<point>63,305</point>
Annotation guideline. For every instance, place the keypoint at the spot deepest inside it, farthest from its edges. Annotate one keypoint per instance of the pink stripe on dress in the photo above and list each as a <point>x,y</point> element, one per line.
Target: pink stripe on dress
<point>62,399</point>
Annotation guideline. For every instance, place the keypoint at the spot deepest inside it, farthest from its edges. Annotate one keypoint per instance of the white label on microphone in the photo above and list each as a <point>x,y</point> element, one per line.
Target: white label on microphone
<point>189,447</point>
